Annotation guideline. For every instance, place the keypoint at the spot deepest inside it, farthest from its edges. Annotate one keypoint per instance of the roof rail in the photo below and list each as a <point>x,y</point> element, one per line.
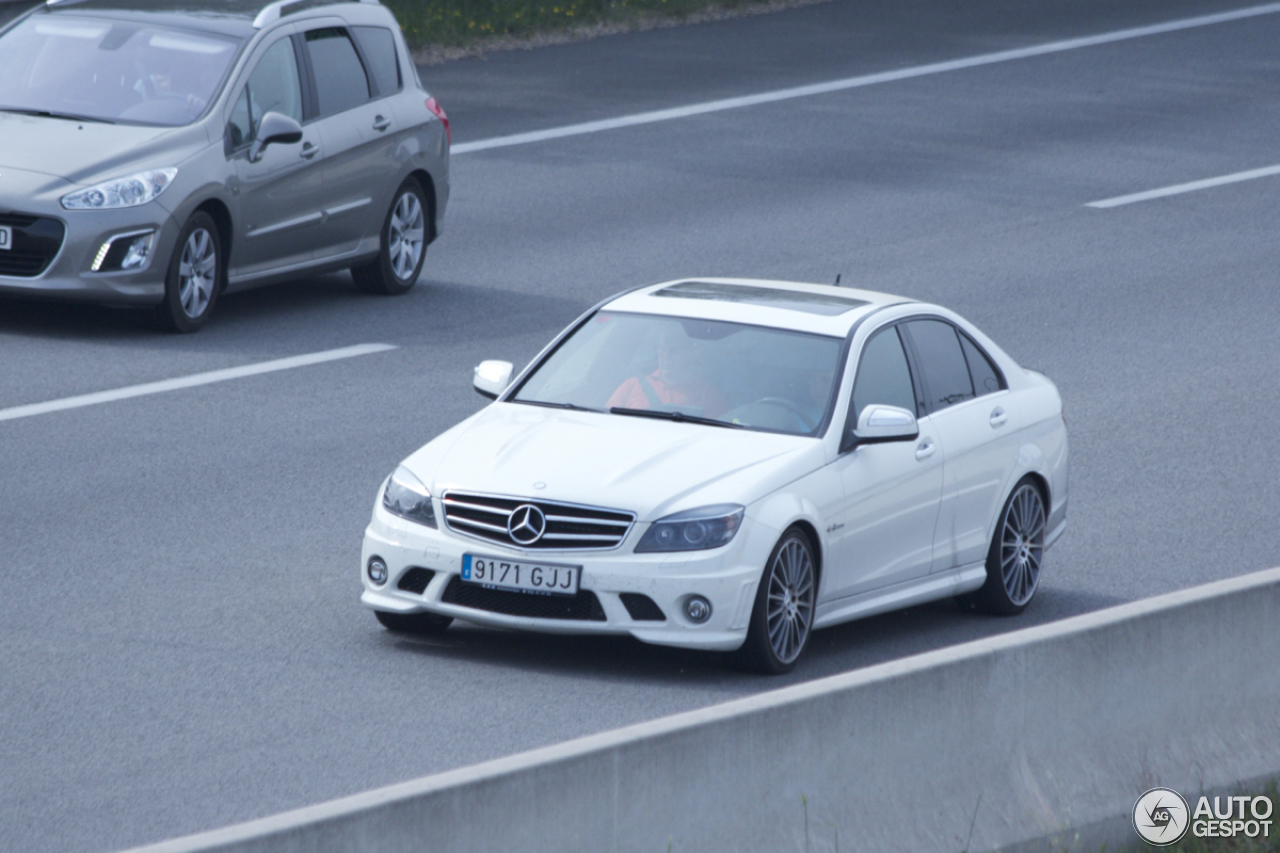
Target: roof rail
<point>277,10</point>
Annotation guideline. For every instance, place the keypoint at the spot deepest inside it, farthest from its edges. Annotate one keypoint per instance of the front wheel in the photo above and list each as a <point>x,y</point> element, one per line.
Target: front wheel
<point>782,618</point>
<point>404,245</point>
<point>1017,551</point>
<point>194,278</point>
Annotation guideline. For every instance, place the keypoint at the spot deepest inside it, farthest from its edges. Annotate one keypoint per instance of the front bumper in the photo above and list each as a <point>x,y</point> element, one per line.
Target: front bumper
<point>727,577</point>
<point>66,270</point>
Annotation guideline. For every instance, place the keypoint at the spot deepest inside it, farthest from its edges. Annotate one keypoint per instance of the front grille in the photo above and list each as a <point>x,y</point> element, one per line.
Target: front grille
<point>415,580</point>
<point>642,608</point>
<point>36,242</point>
<point>569,527</point>
<point>583,607</point>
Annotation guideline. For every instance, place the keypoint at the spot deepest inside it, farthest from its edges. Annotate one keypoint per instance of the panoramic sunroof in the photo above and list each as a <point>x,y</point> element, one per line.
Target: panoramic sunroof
<point>827,305</point>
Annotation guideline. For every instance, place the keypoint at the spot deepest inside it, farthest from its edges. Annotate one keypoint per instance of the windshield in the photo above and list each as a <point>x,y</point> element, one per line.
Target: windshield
<point>114,71</point>
<point>748,376</point>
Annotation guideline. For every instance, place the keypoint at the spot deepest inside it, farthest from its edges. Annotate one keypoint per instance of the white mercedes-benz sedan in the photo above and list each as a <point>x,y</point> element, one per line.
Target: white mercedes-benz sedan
<point>729,464</point>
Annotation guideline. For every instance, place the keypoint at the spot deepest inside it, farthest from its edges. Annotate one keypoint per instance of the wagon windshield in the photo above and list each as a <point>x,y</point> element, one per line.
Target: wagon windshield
<point>114,71</point>
<point>754,377</point>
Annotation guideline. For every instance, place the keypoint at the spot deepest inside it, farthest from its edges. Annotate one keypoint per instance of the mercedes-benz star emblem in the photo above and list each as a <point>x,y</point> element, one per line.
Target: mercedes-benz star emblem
<point>526,524</point>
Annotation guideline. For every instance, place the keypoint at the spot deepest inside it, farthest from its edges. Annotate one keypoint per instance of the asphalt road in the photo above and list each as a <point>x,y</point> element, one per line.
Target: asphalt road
<point>181,644</point>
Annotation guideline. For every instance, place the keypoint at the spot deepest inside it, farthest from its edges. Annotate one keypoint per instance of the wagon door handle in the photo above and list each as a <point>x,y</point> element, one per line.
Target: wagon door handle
<point>998,417</point>
<point>308,151</point>
<point>925,449</point>
<point>380,123</point>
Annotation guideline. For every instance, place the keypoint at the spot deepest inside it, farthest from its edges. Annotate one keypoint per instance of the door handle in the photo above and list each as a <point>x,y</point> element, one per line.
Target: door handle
<point>309,151</point>
<point>925,449</point>
<point>380,123</point>
<point>998,417</point>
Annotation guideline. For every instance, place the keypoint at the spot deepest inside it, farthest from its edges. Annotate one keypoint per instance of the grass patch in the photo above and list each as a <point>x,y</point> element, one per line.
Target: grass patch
<point>497,24</point>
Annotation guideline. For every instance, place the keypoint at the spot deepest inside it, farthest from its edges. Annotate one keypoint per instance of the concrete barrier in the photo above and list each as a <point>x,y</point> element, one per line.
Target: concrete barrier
<point>998,743</point>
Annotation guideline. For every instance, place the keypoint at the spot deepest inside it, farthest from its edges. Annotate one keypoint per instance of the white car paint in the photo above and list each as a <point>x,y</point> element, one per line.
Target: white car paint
<point>895,524</point>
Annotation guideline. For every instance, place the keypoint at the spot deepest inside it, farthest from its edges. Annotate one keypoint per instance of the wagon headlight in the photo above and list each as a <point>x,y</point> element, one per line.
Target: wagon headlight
<point>131,191</point>
<point>694,529</point>
<point>406,497</point>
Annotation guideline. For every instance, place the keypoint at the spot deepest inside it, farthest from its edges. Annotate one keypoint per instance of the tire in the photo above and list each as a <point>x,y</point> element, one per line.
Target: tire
<point>788,588</point>
<point>404,245</point>
<point>1016,553</point>
<point>194,278</point>
<point>413,623</point>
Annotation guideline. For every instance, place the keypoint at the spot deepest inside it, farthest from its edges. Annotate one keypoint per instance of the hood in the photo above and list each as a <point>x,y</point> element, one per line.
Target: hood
<point>646,466</point>
<point>18,185</point>
<point>88,152</point>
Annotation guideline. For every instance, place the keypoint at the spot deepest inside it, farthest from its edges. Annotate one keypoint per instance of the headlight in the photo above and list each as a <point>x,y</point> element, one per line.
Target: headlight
<point>122,192</point>
<point>694,529</point>
<point>406,497</point>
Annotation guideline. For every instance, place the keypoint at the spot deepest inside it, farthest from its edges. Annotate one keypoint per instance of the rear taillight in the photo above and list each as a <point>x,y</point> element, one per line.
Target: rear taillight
<point>438,111</point>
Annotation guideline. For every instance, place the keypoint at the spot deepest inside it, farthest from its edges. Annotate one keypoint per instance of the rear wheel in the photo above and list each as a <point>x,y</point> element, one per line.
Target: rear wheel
<point>782,618</point>
<point>413,623</point>
<point>1016,553</point>
<point>404,245</point>
<point>194,278</point>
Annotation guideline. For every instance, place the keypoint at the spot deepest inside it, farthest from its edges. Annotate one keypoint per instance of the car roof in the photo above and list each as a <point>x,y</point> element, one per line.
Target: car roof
<point>817,308</point>
<point>231,17</point>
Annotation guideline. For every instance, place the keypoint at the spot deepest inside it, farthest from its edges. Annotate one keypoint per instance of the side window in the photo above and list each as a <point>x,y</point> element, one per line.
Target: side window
<point>946,374</point>
<point>274,86</point>
<point>340,79</point>
<point>379,48</point>
<point>986,379</point>
<point>240,127</point>
<point>883,376</point>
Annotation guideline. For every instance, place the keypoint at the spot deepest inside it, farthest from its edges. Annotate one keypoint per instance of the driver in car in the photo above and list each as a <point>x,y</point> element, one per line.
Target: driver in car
<point>680,380</point>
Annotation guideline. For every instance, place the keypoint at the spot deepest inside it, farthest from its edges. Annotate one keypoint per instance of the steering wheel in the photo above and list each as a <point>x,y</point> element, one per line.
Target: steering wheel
<point>789,406</point>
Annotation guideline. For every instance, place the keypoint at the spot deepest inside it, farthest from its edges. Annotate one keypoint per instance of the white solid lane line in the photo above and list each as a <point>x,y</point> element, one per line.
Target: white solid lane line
<point>1179,189</point>
<point>190,381</point>
<point>864,80</point>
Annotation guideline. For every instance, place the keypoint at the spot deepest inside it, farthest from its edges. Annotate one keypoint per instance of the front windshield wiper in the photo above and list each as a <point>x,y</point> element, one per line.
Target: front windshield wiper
<point>679,417</point>
<point>574,406</point>
<point>53,114</point>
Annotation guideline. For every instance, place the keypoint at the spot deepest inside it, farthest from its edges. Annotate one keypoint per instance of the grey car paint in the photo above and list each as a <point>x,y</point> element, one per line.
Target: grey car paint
<point>42,159</point>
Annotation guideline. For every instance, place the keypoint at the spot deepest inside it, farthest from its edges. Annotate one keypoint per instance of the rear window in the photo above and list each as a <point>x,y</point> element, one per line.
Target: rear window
<point>379,47</point>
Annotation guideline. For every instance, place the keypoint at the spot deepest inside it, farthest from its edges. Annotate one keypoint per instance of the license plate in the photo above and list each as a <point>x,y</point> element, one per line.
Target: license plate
<point>521,576</point>
<point>6,237</point>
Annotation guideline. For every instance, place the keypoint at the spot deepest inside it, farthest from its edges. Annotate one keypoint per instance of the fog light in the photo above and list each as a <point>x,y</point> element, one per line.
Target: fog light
<point>124,252</point>
<point>697,608</point>
<point>139,251</point>
<point>377,571</point>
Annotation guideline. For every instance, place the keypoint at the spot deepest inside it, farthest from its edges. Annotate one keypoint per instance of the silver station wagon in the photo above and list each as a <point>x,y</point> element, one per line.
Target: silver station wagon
<point>162,152</point>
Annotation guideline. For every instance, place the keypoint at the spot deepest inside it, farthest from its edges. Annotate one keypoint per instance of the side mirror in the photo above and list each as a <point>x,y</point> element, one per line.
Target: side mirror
<point>879,424</point>
<point>274,128</point>
<point>492,378</point>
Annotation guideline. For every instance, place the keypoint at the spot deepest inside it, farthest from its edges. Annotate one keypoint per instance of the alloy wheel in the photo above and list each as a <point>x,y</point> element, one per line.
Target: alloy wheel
<point>789,613</point>
<point>197,273</point>
<point>1022,544</point>
<point>406,235</point>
